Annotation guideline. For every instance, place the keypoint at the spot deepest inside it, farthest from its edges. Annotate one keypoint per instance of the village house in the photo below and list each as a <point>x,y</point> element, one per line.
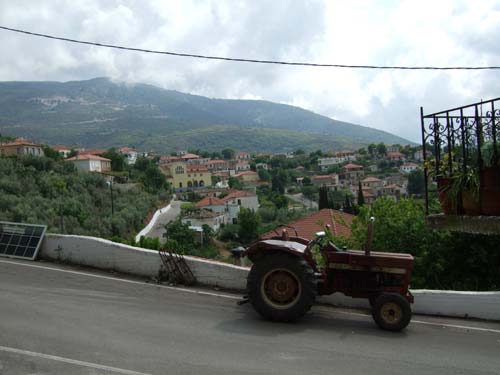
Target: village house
<point>248,176</point>
<point>241,166</point>
<point>396,156</point>
<point>339,158</point>
<point>394,191</point>
<point>393,148</point>
<point>261,166</point>
<point>213,204</point>
<point>374,183</point>
<point>91,163</point>
<point>351,172</point>
<point>186,177</point>
<point>243,156</point>
<point>129,154</point>
<point>216,165</point>
<point>329,180</point>
<point>64,151</point>
<point>243,199</point>
<point>196,219</point>
<point>20,147</point>
<point>408,167</point>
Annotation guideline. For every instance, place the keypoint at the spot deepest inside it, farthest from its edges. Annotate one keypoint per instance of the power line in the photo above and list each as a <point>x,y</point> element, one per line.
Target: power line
<point>258,61</point>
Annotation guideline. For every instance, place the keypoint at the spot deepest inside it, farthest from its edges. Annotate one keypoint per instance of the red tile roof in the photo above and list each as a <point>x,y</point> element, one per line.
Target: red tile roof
<point>371,179</point>
<point>244,173</point>
<point>126,149</point>
<point>352,166</point>
<point>60,148</point>
<point>210,201</point>
<point>93,152</point>
<point>87,157</point>
<point>20,142</point>
<point>340,224</point>
<point>190,156</point>
<point>238,194</point>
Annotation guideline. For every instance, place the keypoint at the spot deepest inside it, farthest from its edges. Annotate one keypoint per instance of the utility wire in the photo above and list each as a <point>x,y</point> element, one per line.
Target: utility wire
<point>258,61</point>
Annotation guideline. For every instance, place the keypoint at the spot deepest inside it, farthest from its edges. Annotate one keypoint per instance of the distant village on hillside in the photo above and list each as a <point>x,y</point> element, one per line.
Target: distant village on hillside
<point>224,182</point>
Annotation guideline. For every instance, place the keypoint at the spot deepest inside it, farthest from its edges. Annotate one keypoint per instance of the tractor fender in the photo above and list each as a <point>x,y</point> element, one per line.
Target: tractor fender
<point>274,245</point>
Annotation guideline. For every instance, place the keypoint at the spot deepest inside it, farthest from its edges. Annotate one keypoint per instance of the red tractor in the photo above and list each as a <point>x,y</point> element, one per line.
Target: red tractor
<point>285,278</point>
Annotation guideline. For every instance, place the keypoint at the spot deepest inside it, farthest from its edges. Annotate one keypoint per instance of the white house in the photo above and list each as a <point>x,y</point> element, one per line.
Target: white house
<point>129,153</point>
<point>199,218</point>
<point>243,199</point>
<point>408,167</point>
<point>213,204</point>
<point>91,163</point>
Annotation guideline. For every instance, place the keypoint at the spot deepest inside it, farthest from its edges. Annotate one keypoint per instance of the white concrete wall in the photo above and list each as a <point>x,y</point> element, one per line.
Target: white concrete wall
<point>152,222</point>
<point>103,254</point>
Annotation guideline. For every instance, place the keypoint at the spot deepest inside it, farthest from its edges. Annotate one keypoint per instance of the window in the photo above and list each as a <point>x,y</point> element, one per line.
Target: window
<point>180,184</point>
<point>179,170</point>
<point>239,202</point>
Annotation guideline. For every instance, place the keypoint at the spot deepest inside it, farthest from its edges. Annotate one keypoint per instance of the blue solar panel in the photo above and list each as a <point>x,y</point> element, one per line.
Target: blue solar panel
<point>19,240</point>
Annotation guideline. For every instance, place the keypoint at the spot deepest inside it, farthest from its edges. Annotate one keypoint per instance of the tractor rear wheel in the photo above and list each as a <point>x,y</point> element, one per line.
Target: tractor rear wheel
<point>391,312</point>
<point>281,287</point>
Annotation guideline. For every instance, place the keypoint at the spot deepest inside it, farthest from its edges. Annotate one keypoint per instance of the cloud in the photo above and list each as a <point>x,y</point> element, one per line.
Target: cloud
<point>406,32</point>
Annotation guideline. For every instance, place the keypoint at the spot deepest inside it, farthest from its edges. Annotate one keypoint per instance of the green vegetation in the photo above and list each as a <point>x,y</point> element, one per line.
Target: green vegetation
<point>46,191</point>
<point>443,260</point>
<point>187,242</point>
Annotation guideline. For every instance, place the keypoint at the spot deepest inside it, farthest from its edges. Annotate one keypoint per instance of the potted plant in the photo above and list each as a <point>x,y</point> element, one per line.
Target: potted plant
<point>444,181</point>
<point>490,174</point>
<point>464,191</point>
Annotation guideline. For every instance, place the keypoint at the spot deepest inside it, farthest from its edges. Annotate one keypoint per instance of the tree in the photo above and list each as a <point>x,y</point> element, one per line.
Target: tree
<point>234,183</point>
<point>348,206</point>
<point>51,153</point>
<point>381,149</point>
<point>181,233</point>
<point>249,222</point>
<point>323,198</point>
<point>118,163</point>
<point>443,260</point>
<point>142,164</point>
<point>154,180</point>
<point>372,147</point>
<point>361,197</point>
<point>299,152</point>
<point>277,184</point>
<point>228,153</point>
<point>362,151</point>
<point>264,175</point>
<point>416,182</point>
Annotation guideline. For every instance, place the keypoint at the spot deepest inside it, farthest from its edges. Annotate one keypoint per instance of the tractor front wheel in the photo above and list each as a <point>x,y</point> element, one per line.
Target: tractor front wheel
<point>391,312</point>
<point>281,287</point>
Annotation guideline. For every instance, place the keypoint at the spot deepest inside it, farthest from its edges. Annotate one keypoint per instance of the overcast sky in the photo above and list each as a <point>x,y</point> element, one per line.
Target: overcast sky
<point>381,32</point>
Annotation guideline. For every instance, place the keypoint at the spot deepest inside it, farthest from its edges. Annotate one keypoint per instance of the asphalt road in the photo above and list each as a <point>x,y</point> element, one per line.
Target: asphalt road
<point>82,322</point>
<point>169,215</point>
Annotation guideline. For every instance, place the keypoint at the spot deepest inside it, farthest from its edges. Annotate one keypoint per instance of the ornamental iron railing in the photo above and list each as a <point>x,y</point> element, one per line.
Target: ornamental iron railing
<point>453,140</point>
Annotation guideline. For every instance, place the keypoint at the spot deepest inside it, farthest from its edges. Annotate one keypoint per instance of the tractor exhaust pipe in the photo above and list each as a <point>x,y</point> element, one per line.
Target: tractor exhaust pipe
<point>369,237</point>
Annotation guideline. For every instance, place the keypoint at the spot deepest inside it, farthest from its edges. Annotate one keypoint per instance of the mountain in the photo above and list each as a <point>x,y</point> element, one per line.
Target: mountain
<point>100,113</point>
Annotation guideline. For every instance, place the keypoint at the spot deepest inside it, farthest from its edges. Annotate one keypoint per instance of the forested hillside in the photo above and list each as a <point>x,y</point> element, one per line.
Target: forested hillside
<point>44,191</point>
<point>100,113</point>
